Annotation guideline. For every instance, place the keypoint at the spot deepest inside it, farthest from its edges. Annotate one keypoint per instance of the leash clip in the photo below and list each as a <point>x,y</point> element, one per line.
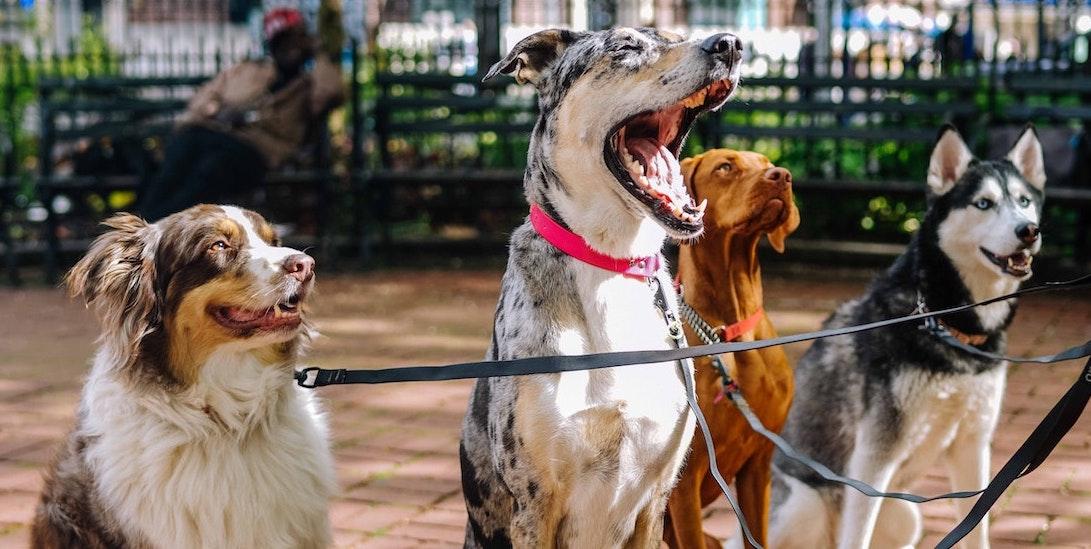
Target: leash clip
<point>929,324</point>
<point>321,377</point>
<point>675,329</point>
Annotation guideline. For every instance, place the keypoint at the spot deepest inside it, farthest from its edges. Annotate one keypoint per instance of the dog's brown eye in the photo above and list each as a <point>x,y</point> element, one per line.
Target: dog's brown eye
<point>219,246</point>
<point>726,167</point>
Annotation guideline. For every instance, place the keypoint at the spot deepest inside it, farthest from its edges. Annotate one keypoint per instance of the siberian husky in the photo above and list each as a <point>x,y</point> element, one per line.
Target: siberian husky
<point>883,406</point>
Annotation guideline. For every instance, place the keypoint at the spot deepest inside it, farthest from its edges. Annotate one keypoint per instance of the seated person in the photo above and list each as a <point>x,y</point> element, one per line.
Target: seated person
<point>247,121</point>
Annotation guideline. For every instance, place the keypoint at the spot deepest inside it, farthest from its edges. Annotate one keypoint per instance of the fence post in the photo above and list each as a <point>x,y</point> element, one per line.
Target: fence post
<point>44,186</point>
<point>488,33</point>
<point>10,156</point>
<point>357,177</point>
<point>1041,31</point>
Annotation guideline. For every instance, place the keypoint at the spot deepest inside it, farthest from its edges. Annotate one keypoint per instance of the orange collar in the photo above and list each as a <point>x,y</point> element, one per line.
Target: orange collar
<point>726,333</point>
<point>736,330</point>
<point>975,340</point>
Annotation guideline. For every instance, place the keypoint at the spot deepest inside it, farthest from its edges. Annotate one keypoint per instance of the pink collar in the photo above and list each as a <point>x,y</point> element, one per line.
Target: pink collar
<point>575,246</point>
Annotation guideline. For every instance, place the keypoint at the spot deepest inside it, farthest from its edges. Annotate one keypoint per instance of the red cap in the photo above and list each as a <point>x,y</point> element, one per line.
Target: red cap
<point>280,20</point>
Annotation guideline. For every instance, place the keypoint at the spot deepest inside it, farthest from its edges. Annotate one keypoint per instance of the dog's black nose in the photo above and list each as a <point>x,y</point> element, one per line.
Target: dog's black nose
<point>299,266</point>
<point>722,43</point>
<point>1028,232</point>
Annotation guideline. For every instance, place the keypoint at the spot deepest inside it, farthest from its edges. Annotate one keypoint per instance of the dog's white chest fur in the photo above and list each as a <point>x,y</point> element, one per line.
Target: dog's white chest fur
<point>646,403</point>
<point>238,460</point>
<point>937,409</point>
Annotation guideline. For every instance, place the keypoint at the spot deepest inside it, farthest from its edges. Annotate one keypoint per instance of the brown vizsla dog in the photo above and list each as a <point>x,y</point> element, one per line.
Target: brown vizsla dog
<point>747,197</point>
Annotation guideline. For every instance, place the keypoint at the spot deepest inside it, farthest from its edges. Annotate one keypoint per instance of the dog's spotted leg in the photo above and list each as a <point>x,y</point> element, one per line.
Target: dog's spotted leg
<point>488,503</point>
<point>649,524</point>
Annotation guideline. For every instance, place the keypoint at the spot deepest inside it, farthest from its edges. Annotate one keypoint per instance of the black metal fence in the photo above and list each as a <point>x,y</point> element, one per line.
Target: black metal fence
<point>848,95</point>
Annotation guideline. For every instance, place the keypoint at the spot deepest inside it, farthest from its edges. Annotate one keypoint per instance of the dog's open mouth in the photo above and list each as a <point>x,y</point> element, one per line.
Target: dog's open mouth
<point>1016,264</point>
<point>283,315</point>
<point>642,153</point>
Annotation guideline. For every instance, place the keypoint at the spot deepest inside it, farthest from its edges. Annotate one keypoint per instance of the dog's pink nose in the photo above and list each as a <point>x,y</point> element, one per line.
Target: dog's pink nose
<point>778,175</point>
<point>299,266</point>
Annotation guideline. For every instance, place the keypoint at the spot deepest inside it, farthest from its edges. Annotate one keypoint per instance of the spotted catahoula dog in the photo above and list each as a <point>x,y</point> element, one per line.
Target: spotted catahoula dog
<point>586,459</point>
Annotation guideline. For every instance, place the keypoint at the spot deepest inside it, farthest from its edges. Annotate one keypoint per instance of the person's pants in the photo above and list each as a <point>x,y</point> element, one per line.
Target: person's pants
<point>201,166</point>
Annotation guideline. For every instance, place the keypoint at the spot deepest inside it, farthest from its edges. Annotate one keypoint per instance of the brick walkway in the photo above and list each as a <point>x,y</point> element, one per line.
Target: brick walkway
<point>396,446</point>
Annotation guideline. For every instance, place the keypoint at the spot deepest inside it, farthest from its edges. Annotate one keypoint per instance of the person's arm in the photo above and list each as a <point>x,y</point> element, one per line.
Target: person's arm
<point>207,102</point>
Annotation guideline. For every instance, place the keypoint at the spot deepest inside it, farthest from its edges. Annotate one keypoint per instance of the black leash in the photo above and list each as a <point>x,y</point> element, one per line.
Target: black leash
<point>938,330</point>
<point>1041,442</point>
<point>732,391</point>
<point>1034,451</point>
<point>1026,459</point>
<point>319,377</point>
<point>1029,456</point>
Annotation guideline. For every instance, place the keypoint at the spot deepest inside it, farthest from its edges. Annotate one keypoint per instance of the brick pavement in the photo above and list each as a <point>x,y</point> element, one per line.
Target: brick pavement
<point>396,446</point>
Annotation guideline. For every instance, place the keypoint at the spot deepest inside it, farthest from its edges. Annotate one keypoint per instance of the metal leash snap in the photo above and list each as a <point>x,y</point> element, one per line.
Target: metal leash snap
<point>304,379</point>
<point>674,328</point>
<point>931,325</point>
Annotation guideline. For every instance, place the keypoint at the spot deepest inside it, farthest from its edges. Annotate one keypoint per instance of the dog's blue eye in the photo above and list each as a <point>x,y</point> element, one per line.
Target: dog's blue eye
<point>1024,201</point>
<point>983,204</point>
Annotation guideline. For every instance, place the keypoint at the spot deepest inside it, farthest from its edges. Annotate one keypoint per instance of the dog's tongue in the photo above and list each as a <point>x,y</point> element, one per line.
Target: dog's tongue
<point>1019,259</point>
<point>239,314</point>
<point>660,166</point>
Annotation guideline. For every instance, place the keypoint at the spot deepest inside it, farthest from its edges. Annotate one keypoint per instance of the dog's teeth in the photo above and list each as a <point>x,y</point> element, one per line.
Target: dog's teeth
<point>702,205</point>
<point>695,100</point>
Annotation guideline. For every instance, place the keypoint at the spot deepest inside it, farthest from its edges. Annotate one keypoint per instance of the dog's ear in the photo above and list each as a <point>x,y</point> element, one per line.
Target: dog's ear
<point>778,235</point>
<point>1026,155</point>
<point>950,158</point>
<point>689,167</point>
<point>532,55</point>
<point>117,277</point>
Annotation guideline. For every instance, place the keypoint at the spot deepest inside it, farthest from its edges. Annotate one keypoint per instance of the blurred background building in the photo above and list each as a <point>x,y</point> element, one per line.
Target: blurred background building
<point>1053,32</point>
